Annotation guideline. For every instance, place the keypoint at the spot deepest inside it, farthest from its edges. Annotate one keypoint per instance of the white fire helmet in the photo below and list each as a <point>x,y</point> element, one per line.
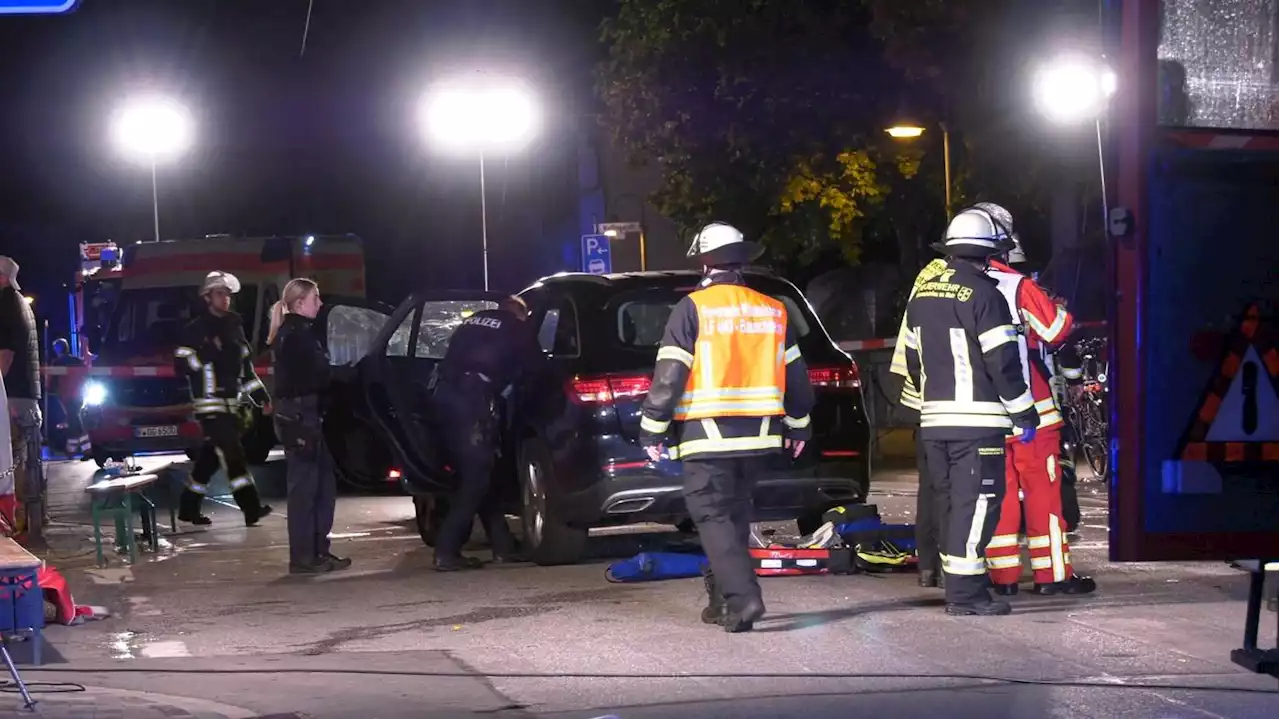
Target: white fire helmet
<point>982,230</point>
<point>1016,255</point>
<point>723,244</point>
<point>220,280</point>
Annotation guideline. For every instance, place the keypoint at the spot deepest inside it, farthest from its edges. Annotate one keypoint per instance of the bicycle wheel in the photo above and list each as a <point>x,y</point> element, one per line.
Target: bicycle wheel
<point>1095,453</point>
<point>1071,413</point>
<point>1095,440</point>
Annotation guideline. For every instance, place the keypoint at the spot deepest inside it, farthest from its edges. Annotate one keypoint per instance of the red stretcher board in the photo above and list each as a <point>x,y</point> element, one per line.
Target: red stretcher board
<point>1193,317</point>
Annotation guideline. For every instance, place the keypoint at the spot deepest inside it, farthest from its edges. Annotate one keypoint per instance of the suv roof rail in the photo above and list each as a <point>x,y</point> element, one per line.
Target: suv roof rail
<point>609,279</point>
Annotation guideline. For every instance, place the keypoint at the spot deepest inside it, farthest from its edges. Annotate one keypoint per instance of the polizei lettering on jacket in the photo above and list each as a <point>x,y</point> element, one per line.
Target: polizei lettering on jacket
<point>492,323</point>
<point>744,319</point>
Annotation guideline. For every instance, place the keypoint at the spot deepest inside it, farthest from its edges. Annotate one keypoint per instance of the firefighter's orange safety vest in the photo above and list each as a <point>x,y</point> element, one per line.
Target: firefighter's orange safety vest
<point>739,362</point>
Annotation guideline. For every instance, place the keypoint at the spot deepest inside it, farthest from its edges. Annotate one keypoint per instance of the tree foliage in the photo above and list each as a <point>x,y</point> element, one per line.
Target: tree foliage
<point>769,114</point>
<point>765,114</point>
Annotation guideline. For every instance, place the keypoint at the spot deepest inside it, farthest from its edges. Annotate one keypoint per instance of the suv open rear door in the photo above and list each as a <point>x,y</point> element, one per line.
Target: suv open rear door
<point>350,328</point>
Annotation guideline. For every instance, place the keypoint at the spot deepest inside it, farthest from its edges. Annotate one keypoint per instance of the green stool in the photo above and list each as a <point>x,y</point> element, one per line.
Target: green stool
<point>117,498</point>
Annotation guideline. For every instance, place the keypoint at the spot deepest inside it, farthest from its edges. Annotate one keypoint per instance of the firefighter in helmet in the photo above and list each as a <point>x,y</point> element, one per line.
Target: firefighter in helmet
<point>1033,469</point>
<point>731,383</point>
<point>960,335</point>
<point>215,358</point>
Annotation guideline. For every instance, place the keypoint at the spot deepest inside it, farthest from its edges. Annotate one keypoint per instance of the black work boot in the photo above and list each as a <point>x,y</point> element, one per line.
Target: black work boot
<point>1073,585</point>
<point>251,505</point>
<point>316,566</point>
<point>1005,590</point>
<point>251,517</point>
<point>989,608</point>
<point>744,619</point>
<point>334,561</point>
<point>455,564</point>
<point>716,606</point>
<point>189,509</point>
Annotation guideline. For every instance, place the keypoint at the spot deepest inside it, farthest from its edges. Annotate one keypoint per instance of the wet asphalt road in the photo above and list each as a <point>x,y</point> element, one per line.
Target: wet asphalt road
<point>524,640</point>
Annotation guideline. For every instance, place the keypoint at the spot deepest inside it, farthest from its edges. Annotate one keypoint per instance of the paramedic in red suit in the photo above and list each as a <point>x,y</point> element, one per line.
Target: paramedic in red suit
<point>1043,323</point>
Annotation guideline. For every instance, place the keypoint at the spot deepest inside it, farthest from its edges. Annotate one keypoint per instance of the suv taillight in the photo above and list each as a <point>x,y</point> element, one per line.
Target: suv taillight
<point>835,377</point>
<point>604,390</point>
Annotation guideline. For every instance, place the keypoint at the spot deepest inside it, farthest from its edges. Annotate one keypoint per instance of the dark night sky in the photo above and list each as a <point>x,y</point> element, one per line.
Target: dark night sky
<point>288,145</point>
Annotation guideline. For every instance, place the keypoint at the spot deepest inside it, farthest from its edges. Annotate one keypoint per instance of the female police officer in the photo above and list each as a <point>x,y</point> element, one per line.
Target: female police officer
<point>301,383</point>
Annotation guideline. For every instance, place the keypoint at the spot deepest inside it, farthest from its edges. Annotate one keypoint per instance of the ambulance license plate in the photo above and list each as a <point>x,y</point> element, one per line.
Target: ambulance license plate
<point>158,430</point>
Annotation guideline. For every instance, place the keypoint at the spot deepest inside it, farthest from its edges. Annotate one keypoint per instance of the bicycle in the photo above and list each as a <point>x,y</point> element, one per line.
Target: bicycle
<point>1086,406</point>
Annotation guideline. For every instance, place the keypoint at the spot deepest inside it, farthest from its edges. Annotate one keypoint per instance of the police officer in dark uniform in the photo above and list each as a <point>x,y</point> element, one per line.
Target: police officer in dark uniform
<point>302,396</point>
<point>487,354</point>
<point>960,336</point>
<point>216,359</point>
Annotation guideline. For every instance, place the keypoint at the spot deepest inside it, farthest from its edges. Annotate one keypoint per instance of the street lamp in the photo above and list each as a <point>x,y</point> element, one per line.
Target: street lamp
<point>481,116</point>
<point>1074,88</point>
<point>909,131</point>
<point>153,129</point>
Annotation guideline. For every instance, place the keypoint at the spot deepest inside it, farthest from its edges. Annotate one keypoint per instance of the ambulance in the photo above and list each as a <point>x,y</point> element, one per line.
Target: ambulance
<point>132,402</point>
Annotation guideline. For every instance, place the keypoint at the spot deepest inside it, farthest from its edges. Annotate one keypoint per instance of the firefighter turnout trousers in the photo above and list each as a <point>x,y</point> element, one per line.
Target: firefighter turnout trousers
<point>467,416</point>
<point>928,527</point>
<point>968,475</point>
<point>718,494</point>
<point>1033,468</point>
<point>221,448</point>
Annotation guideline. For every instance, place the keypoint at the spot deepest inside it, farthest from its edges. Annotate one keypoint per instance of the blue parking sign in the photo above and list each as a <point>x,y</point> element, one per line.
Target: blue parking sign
<point>36,7</point>
<point>595,255</point>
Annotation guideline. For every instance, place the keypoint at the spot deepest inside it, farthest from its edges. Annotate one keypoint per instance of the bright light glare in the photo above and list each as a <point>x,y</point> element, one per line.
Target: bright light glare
<point>905,131</point>
<point>311,240</point>
<point>610,233</point>
<point>153,128</point>
<point>95,393</point>
<point>29,299</point>
<point>1071,89</point>
<point>479,118</point>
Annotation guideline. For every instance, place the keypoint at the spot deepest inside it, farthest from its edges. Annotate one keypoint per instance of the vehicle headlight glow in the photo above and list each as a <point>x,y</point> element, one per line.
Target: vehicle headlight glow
<point>95,393</point>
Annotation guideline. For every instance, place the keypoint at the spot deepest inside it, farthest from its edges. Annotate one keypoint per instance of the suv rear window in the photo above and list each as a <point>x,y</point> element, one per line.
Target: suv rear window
<point>641,317</point>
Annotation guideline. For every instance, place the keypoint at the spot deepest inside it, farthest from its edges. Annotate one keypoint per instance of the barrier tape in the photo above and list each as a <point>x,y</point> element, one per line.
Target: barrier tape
<point>888,343</point>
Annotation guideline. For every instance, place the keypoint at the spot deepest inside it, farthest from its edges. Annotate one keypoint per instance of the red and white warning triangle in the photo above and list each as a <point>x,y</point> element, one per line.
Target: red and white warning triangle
<point>1239,415</point>
<point>1249,411</point>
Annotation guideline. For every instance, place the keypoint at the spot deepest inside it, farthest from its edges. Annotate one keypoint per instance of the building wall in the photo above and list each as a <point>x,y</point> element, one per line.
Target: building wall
<point>626,189</point>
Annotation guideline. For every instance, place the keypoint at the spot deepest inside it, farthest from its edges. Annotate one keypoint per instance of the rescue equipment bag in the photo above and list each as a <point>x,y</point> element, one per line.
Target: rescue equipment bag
<point>652,566</point>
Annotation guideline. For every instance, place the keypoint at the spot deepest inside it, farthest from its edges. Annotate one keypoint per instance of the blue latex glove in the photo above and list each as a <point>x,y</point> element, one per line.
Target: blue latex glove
<point>1028,435</point>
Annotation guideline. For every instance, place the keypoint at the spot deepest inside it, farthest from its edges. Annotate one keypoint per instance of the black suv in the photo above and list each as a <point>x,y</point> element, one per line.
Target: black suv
<point>571,458</point>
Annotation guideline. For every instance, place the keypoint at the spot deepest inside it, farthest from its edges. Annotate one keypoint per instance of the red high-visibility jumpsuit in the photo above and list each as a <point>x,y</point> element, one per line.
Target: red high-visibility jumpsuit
<point>1033,467</point>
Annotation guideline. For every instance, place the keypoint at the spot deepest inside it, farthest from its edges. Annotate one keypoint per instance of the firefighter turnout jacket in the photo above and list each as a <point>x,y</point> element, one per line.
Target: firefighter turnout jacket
<point>729,375</point>
<point>1042,326</point>
<point>216,360</point>
<point>962,358</point>
<point>898,364</point>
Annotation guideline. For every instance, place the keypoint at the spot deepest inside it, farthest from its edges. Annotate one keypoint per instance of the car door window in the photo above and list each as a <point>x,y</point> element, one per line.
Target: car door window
<point>398,345</point>
<point>558,333</point>
<point>439,319</point>
<point>350,332</point>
